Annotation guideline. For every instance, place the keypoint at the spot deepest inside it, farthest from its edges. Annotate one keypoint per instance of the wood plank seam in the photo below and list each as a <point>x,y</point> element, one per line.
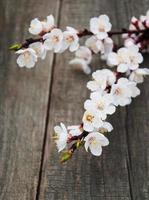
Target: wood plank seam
<point>48,108</point>
<point>128,161</point>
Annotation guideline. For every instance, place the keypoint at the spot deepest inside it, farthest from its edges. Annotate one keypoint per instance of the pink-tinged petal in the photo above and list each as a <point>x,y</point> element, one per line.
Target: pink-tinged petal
<point>124,101</point>
<point>48,44</point>
<point>139,58</point>
<point>86,145</point>
<point>96,150</point>
<point>57,129</point>
<point>92,85</point>
<point>30,64</point>
<point>133,66</point>
<point>122,68</point>
<point>20,61</point>
<point>94,25</point>
<point>143,71</point>
<point>112,59</point>
<point>63,127</point>
<point>71,29</point>
<point>88,105</point>
<point>73,47</point>
<point>103,140</point>
<point>65,46</point>
<point>97,122</point>
<point>102,35</point>
<point>47,36</point>
<point>110,110</point>
<point>95,96</point>
<point>108,126</point>
<point>104,18</point>
<point>135,92</point>
<point>57,47</point>
<point>88,127</point>
<point>50,20</point>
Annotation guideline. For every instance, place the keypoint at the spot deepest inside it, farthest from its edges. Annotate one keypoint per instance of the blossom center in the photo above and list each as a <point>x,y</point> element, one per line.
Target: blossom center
<point>93,141</point>
<point>56,137</point>
<point>101,28</point>
<point>55,39</point>
<point>33,26</point>
<point>133,60</point>
<point>103,130</point>
<point>118,91</point>
<point>70,39</point>
<point>37,50</point>
<point>27,56</point>
<point>100,105</point>
<point>89,118</point>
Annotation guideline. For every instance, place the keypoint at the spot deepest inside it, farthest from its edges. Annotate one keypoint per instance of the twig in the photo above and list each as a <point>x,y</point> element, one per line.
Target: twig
<point>86,32</point>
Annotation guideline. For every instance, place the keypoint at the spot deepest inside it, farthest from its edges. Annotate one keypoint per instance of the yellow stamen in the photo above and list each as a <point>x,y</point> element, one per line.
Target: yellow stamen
<point>89,118</point>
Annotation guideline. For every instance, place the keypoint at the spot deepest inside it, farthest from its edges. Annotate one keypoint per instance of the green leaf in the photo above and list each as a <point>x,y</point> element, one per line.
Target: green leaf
<point>15,47</point>
<point>66,156</point>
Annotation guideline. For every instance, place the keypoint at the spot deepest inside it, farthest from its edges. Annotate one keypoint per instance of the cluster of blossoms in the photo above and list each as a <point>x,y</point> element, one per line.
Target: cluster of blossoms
<point>54,39</point>
<point>51,38</point>
<point>141,38</point>
<point>109,88</point>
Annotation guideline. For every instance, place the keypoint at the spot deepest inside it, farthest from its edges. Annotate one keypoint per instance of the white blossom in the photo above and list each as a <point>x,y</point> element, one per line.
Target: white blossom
<point>103,46</point>
<point>39,48</point>
<point>83,57</point>
<point>106,127</point>
<point>107,48</point>
<point>94,44</point>
<point>84,53</point>
<point>126,58</point>
<point>70,39</point>
<point>53,40</point>
<point>91,120</point>
<point>35,27</point>
<point>138,75</point>
<point>100,26</point>
<point>61,136</point>
<point>79,63</point>
<point>123,90</point>
<point>27,57</point>
<point>101,104</point>
<point>136,24</point>
<point>94,141</point>
<point>48,24</point>
<point>75,130</point>
<point>129,42</point>
<point>145,18</point>
<point>101,79</point>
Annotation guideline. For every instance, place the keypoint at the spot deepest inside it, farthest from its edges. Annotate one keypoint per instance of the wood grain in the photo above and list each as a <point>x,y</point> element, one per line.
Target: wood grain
<point>137,127</point>
<point>86,177</point>
<point>24,96</point>
<point>33,101</point>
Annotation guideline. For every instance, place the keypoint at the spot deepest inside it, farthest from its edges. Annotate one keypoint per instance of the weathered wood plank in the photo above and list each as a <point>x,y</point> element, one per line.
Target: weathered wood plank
<point>23,102</point>
<point>137,126</point>
<point>84,177</point>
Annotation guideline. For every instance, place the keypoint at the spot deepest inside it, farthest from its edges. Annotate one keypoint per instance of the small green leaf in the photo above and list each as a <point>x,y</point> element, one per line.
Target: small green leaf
<point>66,156</point>
<point>15,47</point>
<point>78,144</point>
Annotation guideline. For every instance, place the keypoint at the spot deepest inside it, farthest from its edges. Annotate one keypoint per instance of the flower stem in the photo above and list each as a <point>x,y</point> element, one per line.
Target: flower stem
<point>85,32</point>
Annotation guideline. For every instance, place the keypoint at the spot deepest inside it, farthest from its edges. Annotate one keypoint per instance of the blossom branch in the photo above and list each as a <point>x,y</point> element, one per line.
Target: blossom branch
<point>109,88</point>
<point>86,32</point>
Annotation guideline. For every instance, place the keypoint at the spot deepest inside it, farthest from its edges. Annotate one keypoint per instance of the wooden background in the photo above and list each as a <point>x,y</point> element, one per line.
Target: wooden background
<point>33,101</point>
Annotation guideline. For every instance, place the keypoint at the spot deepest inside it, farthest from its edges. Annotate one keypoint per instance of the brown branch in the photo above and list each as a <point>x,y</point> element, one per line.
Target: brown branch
<point>86,32</point>
<point>123,31</point>
<point>30,41</point>
<point>79,137</point>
